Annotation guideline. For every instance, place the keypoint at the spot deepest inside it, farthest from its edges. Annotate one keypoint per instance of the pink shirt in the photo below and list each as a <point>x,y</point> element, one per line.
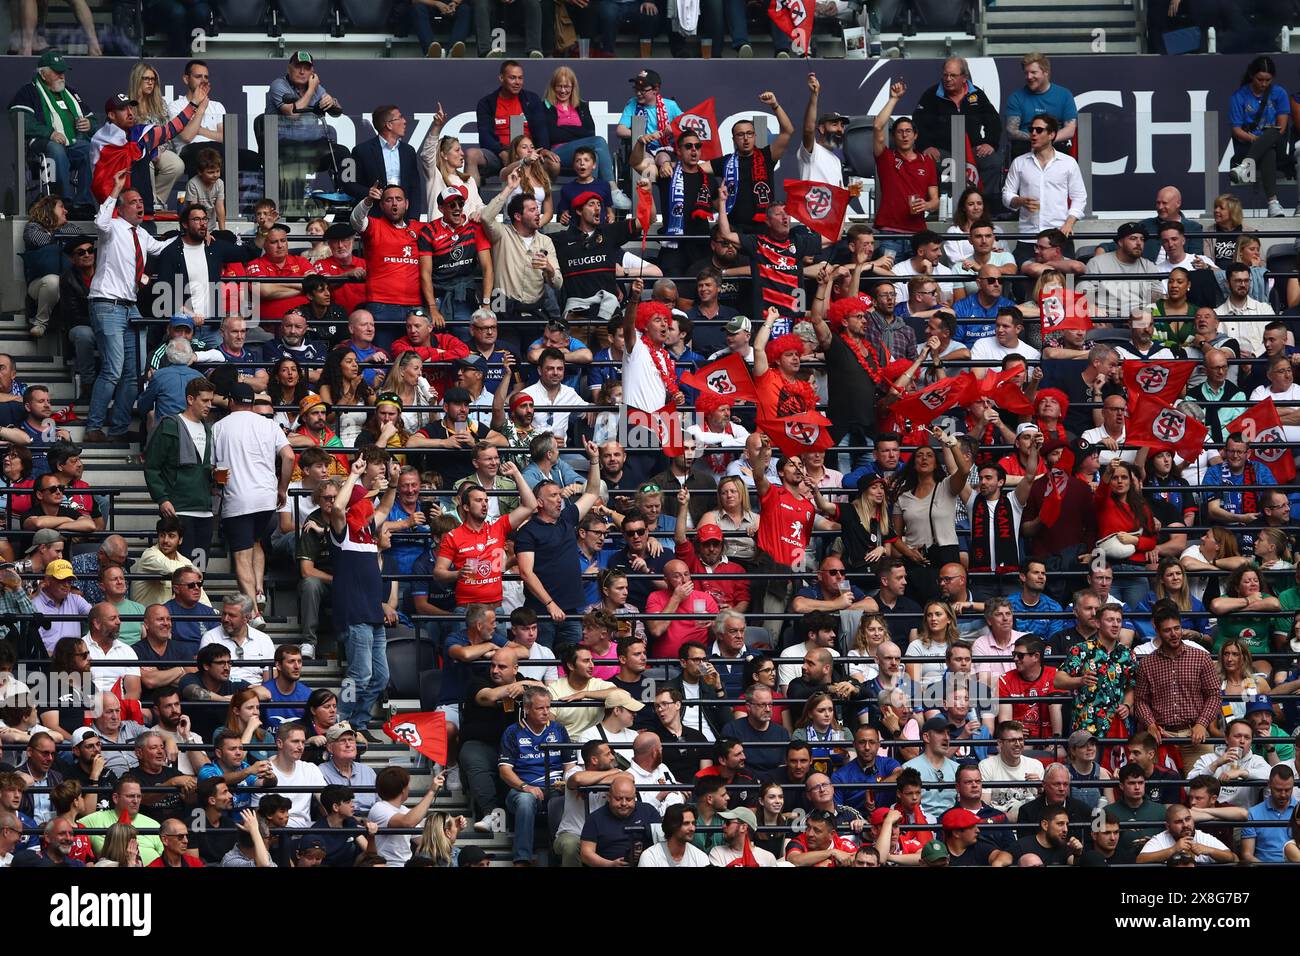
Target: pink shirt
<point>566,115</point>
<point>985,646</point>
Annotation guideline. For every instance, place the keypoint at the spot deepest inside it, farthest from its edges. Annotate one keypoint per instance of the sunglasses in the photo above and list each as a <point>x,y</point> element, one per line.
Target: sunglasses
<point>690,146</point>
<point>1038,129</point>
<point>84,251</point>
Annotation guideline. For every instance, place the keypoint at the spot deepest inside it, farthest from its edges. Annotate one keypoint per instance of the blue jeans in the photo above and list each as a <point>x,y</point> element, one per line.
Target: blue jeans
<point>614,13</point>
<point>75,157</point>
<point>523,807</point>
<point>117,382</point>
<point>426,22</point>
<point>83,349</point>
<point>899,245</point>
<point>367,650</point>
<point>457,306</point>
<point>604,165</point>
<point>390,322</point>
<point>721,16</point>
<point>568,631</point>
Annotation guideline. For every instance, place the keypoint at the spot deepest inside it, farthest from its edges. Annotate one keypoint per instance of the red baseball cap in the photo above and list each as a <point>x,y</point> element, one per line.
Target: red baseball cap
<point>708,532</point>
<point>959,818</point>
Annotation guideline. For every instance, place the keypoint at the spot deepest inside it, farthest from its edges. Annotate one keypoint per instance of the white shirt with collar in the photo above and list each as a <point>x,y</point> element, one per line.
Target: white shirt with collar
<point>557,423</point>
<point>646,778</point>
<point>1057,185</point>
<point>213,117</point>
<point>1249,334</point>
<point>106,677</point>
<point>115,261</point>
<point>392,156</point>
<point>256,647</point>
<point>1095,435</point>
<point>1165,840</point>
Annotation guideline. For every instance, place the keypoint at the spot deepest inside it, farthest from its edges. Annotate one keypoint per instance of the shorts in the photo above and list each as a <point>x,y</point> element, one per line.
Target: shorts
<point>450,711</point>
<point>242,531</point>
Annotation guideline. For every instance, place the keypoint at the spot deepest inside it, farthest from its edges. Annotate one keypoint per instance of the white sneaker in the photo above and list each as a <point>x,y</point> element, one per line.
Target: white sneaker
<point>453,778</point>
<point>258,622</point>
<point>1275,210</point>
<point>1234,175</point>
<point>485,825</point>
<point>620,198</point>
<point>536,55</point>
<point>308,651</point>
<point>745,51</point>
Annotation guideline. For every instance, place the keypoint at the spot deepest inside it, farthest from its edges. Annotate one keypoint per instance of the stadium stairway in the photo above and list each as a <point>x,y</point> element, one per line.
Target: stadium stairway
<point>1011,27</point>
<point>118,464</point>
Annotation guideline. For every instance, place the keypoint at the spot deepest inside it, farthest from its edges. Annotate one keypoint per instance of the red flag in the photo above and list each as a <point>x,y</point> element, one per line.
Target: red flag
<point>423,732</point>
<point>665,422</point>
<point>1005,393</point>
<point>1157,424</point>
<point>1261,427</point>
<point>1160,379</point>
<point>702,120</point>
<point>795,21</point>
<point>645,208</point>
<point>727,378</point>
<point>1053,495</point>
<point>1062,309</point>
<point>798,434</point>
<point>925,406</point>
<point>819,206</point>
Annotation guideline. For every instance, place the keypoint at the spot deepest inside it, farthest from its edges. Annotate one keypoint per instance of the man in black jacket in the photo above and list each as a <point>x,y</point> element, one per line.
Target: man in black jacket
<point>699,680</point>
<point>494,112</point>
<point>588,253</point>
<point>373,158</point>
<point>74,309</point>
<point>174,289</point>
<point>954,95</point>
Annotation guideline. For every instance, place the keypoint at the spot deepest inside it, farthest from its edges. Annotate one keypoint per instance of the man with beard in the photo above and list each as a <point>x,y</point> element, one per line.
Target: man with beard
<point>348,296</point>
<point>747,194</point>
<point>822,134</point>
<point>686,197</point>
<point>392,264</point>
<point>293,342</point>
<point>58,126</point>
<point>724,256</point>
<point>1052,842</point>
<point>588,251</point>
<point>185,273</point>
<point>455,261</point>
<point>776,259</point>
<point>856,365</point>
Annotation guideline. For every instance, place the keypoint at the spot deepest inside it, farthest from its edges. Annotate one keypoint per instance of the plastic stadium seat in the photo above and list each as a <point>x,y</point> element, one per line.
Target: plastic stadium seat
<point>941,14</point>
<point>306,14</point>
<point>408,657</point>
<point>1280,259</point>
<point>370,16</point>
<point>242,14</point>
<point>430,685</point>
<point>858,149</point>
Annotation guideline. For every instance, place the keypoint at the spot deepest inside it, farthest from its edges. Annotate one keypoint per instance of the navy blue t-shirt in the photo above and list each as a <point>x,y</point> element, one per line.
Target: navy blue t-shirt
<point>759,760</point>
<point>612,836</point>
<point>456,674</point>
<point>190,631</point>
<point>555,559</point>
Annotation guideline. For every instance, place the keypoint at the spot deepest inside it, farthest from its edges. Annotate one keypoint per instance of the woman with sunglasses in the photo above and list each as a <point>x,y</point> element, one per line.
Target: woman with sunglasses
<point>165,166</point>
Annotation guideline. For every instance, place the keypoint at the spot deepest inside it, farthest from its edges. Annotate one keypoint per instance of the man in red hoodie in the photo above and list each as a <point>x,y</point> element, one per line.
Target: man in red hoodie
<point>432,347</point>
<point>118,144</point>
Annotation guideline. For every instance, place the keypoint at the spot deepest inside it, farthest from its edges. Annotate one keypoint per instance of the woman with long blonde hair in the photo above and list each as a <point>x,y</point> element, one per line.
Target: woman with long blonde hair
<point>165,166</point>
<point>734,514</point>
<point>1228,218</point>
<point>406,380</point>
<point>443,160</point>
<point>938,632</point>
<point>437,840</point>
<point>873,630</point>
<point>819,726</point>
<point>121,846</point>
<point>569,121</point>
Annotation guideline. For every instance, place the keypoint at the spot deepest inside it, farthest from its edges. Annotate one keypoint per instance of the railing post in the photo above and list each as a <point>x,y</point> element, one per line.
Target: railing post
<point>271,157</point>
<point>638,130</point>
<point>230,145</point>
<point>1212,146</point>
<point>1083,135</point>
<point>957,149</point>
<point>20,162</point>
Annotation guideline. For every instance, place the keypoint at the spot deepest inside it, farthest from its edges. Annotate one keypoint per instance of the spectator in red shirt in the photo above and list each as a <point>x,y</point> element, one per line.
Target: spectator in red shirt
<point>273,299</point>
<point>473,555</point>
<point>392,262</point>
<point>176,843</point>
<point>819,844</point>
<point>431,346</point>
<point>705,558</point>
<point>909,182</point>
<point>680,597</point>
<point>1031,678</point>
<point>348,296</point>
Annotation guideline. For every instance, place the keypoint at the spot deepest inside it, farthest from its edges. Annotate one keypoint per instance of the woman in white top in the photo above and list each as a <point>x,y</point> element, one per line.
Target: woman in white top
<point>968,210</point>
<point>605,424</point>
<point>533,178</point>
<point>1240,680</point>
<point>443,160</point>
<point>925,495</point>
<point>406,379</point>
<point>341,383</point>
<point>734,514</point>
<point>938,631</point>
<point>873,630</point>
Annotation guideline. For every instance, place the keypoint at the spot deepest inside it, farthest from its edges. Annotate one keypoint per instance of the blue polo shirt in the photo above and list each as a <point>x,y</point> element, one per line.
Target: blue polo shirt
<point>1040,627</point>
<point>853,772</point>
<point>1056,101</point>
<point>240,797</point>
<point>191,630</point>
<point>555,559</point>
<point>1269,841</point>
<point>521,749</point>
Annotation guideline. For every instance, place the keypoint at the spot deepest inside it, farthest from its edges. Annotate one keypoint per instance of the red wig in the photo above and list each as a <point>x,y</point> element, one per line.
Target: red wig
<point>645,311</point>
<point>709,402</point>
<point>782,344</point>
<point>1062,399</point>
<point>841,309</point>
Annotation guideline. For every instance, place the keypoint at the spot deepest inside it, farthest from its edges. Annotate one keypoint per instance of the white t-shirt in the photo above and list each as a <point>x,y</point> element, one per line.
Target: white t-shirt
<point>788,672</point>
<point>989,349</point>
<point>646,778</point>
<point>905,270</point>
<point>658,855</point>
<point>212,116</point>
<point>576,805</point>
<point>249,444</point>
<point>1290,433</point>
<point>643,386</point>
<point>1230,794</point>
<point>1094,436</point>
<point>394,848</point>
<point>595,733</point>
<point>199,435</point>
<point>819,166</point>
<point>1164,840</point>
<point>992,768</point>
<point>304,775</point>
<point>196,272</point>
<point>539,664</point>
<point>557,423</point>
<point>724,855</point>
<point>693,715</point>
<point>106,677</point>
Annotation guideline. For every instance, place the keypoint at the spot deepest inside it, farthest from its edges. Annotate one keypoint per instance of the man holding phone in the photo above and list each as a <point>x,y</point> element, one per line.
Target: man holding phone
<point>457,434</point>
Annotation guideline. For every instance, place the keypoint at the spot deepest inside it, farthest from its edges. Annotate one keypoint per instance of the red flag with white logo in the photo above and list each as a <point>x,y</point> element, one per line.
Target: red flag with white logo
<point>1063,309</point>
<point>1053,495</point>
<point>1004,392</point>
<point>1261,427</point>
<point>795,20</point>
<point>425,732</point>
<point>728,378</point>
<point>702,120</point>
<point>819,206</point>
<point>1157,424</point>
<point>923,407</point>
<point>1160,379</point>
<point>798,434</point>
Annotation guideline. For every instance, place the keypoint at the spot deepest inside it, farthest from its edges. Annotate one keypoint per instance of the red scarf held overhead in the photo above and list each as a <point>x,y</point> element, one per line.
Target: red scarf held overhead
<point>1053,496</point>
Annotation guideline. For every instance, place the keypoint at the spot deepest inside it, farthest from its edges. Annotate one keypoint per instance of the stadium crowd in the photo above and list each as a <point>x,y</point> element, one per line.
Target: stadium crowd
<point>976,614</point>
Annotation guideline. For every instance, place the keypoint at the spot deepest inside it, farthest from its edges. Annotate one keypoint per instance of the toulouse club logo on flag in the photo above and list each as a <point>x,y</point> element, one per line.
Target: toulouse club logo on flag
<point>1169,425</point>
<point>1162,380</point>
<point>934,400</point>
<point>1152,379</point>
<point>819,202</point>
<point>1261,428</point>
<point>720,381</point>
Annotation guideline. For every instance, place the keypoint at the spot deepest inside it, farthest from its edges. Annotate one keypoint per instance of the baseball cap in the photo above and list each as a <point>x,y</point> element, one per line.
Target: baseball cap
<point>743,814</point>
<point>81,733</point>
<point>1081,737</point>
<point>310,843</point>
<point>52,60</point>
<point>44,536</point>
<point>473,360</point>
<point>1130,229</point>
<point>708,532</point>
<point>62,570</point>
<point>242,393</point>
<point>934,851</point>
<point>310,402</point>
<point>647,78</point>
<point>738,323</point>
<point>1026,427</point>
<point>621,698</point>
<point>935,723</point>
<point>456,394</point>
<point>1260,704</point>
<point>832,117</point>
<point>959,818</point>
<point>300,56</point>
<point>338,730</point>
<point>453,192</point>
<point>181,321</point>
<point>119,101</point>
<point>339,230</point>
<point>470,855</point>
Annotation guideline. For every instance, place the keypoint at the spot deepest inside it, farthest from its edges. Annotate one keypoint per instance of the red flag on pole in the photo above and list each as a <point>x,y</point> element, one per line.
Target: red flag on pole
<point>645,208</point>
<point>728,378</point>
<point>1062,309</point>
<point>1001,388</point>
<point>819,206</point>
<point>702,120</point>
<point>424,732</point>
<point>1261,427</point>
<point>1157,424</point>
<point>1160,379</point>
<point>923,407</point>
<point>798,434</point>
<point>793,19</point>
